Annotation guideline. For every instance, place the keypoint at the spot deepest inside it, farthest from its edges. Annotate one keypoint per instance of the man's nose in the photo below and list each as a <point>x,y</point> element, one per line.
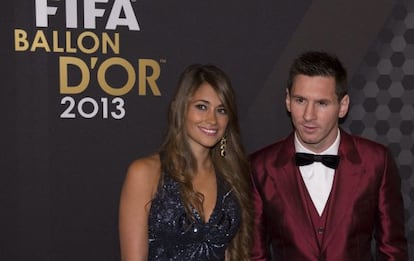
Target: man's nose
<point>309,113</point>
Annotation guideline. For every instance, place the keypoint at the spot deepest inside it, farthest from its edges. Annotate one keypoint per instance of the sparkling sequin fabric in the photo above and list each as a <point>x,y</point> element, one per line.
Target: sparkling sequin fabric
<point>173,236</point>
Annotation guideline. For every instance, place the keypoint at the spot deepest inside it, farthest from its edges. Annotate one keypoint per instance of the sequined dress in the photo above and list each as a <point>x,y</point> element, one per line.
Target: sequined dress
<point>173,236</point>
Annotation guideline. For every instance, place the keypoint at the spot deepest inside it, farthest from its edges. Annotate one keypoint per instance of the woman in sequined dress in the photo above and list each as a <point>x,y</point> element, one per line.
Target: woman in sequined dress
<point>191,200</point>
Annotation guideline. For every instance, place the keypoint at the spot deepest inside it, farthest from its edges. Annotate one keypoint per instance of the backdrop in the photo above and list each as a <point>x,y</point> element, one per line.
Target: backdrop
<point>86,85</point>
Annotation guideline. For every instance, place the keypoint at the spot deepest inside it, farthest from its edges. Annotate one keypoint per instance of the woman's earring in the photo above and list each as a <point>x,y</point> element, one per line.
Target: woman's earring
<point>223,143</point>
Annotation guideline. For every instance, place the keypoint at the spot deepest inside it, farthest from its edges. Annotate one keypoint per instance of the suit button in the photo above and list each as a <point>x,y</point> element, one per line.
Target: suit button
<point>321,230</point>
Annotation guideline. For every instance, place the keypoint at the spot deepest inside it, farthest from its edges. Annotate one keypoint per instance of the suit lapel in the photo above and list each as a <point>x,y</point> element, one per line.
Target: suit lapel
<point>347,178</point>
<point>288,182</point>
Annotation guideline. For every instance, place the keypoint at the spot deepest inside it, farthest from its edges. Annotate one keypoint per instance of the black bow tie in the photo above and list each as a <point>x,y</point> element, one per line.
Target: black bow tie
<point>330,161</point>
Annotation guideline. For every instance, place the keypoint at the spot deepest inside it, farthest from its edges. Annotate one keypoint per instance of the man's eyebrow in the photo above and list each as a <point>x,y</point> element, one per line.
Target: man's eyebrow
<point>298,96</point>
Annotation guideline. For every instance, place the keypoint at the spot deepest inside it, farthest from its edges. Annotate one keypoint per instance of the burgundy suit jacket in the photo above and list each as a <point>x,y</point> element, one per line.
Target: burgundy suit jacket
<point>365,201</point>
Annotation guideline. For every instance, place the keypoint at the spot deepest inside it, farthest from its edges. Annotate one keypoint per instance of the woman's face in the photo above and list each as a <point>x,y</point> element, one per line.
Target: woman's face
<point>206,118</point>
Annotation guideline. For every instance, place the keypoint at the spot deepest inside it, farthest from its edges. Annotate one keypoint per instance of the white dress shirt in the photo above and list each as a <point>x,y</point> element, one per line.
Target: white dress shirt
<point>317,177</point>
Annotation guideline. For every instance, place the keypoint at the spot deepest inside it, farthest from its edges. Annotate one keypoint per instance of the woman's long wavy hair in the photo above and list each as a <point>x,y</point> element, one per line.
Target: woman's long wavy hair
<point>180,163</point>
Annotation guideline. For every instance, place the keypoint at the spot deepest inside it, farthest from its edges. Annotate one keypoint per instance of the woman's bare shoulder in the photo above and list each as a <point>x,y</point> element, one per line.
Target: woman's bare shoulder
<point>144,173</point>
<point>146,166</point>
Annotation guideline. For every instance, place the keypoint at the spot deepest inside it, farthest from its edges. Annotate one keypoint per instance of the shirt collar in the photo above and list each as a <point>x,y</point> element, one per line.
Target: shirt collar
<point>332,150</point>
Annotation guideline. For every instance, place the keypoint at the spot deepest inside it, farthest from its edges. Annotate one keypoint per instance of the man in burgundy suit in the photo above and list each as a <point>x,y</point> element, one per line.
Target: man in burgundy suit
<point>320,193</point>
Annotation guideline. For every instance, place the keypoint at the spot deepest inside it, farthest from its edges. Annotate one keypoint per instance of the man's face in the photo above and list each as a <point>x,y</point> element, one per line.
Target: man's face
<point>315,110</point>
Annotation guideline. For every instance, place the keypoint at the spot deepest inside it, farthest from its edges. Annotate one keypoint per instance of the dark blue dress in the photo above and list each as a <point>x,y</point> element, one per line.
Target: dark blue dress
<point>173,236</point>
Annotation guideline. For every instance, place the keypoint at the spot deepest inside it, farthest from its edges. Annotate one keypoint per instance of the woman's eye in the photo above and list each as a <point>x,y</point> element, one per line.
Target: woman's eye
<point>222,110</point>
<point>201,106</point>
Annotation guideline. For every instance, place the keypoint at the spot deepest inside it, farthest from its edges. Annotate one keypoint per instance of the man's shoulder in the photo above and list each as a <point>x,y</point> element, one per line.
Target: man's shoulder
<point>269,148</point>
<point>272,149</point>
<point>360,141</point>
<point>362,145</point>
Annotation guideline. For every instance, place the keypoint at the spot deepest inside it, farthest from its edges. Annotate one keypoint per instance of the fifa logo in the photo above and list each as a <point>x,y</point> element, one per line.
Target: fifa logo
<point>121,14</point>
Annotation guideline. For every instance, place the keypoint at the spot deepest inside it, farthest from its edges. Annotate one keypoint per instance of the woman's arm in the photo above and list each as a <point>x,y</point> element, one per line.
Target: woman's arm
<point>137,192</point>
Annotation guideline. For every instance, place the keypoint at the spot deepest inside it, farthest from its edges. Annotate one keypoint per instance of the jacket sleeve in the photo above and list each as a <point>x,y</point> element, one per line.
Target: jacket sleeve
<point>390,233</point>
<point>260,238</point>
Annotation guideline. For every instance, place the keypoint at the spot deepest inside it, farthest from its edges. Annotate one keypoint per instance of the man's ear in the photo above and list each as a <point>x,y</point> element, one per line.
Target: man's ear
<point>343,106</point>
<point>287,100</point>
